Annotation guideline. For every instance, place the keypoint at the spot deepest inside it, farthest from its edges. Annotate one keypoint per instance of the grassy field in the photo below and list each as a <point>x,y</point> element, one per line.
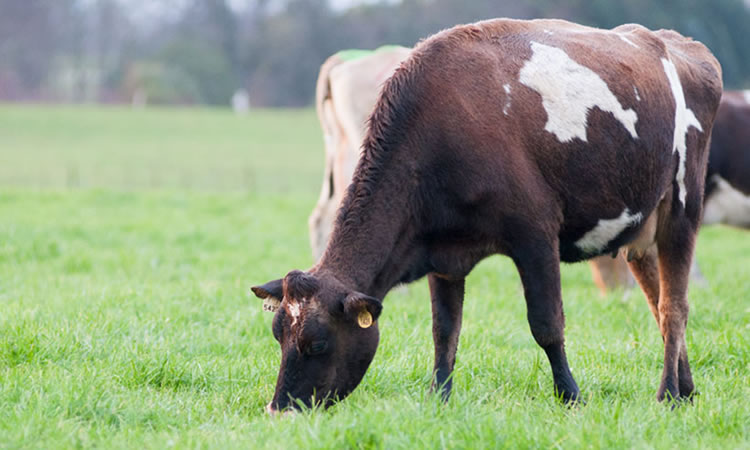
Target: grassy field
<point>129,241</point>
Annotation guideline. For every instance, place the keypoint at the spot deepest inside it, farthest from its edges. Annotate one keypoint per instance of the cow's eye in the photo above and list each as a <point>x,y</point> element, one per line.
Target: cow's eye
<point>318,347</point>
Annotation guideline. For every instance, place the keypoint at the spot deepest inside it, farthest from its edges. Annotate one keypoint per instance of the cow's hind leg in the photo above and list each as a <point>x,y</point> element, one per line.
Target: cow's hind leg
<point>675,250</point>
<point>646,271</point>
<point>538,264</point>
<point>447,309</point>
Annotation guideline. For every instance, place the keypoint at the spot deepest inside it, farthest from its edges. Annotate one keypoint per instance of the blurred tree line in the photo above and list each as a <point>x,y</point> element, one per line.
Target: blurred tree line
<point>201,51</point>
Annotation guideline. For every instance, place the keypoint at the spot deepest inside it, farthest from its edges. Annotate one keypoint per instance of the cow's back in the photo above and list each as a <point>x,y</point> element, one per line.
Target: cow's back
<point>589,125</point>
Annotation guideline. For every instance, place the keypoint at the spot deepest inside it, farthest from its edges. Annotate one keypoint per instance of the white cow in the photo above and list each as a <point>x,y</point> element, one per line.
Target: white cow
<point>347,88</point>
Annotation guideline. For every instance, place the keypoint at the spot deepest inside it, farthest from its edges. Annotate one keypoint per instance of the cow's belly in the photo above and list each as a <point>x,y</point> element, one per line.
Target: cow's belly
<point>606,237</point>
<point>611,214</point>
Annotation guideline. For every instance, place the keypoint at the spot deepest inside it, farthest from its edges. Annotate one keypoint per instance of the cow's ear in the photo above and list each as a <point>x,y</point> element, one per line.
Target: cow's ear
<point>271,293</point>
<point>362,308</point>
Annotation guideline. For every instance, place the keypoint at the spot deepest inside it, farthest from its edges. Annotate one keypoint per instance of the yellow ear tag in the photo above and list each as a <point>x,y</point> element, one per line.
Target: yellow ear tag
<point>364,319</point>
<point>271,304</point>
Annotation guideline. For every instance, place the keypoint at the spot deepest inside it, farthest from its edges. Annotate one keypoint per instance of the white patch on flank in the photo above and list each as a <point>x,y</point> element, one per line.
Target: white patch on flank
<point>569,90</point>
<point>637,95</point>
<point>294,311</point>
<point>507,102</point>
<point>726,205</point>
<point>747,95</point>
<point>548,32</point>
<point>606,230</point>
<point>683,119</point>
<point>628,41</point>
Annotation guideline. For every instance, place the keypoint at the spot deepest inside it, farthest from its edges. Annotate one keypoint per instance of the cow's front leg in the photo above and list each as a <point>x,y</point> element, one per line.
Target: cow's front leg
<point>447,307</point>
<point>539,266</point>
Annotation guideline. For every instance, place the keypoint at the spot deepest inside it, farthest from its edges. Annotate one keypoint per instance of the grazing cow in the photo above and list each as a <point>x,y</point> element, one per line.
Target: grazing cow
<point>542,140</point>
<point>727,193</point>
<point>347,88</point>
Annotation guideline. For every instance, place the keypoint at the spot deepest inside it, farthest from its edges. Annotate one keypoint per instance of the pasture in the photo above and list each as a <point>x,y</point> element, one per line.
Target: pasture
<point>128,243</point>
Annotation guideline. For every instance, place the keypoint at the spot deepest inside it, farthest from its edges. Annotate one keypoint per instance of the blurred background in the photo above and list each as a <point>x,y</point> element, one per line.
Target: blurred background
<point>191,52</point>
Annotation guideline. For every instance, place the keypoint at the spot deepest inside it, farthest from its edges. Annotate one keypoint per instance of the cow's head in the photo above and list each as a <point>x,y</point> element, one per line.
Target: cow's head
<point>328,336</point>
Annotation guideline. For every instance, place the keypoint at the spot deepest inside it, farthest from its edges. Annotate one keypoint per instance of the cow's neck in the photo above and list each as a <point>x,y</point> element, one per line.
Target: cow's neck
<point>375,248</point>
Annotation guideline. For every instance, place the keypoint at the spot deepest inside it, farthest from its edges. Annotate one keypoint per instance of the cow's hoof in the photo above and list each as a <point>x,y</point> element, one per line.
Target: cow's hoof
<point>443,389</point>
<point>567,391</point>
<point>690,395</point>
<point>570,398</point>
<point>686,399</point>
<point>670,397</point>
<point>687,391</point>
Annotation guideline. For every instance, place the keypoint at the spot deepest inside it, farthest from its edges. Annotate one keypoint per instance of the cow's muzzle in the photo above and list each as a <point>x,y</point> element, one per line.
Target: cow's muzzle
<point>271,411</point>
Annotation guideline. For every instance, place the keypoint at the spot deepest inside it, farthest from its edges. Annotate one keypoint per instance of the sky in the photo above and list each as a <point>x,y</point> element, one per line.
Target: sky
<point>345,4</point>
<point>144,11</point>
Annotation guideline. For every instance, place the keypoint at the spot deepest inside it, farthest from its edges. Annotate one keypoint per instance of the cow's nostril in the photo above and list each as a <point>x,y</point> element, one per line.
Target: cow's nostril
<point>270,410</point>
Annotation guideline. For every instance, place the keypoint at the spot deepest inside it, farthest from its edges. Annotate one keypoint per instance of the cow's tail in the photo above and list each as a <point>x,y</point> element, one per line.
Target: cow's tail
<point>323,87</point>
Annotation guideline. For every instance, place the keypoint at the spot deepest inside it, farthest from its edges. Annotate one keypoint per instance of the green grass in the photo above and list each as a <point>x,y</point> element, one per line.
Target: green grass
<point>115,148</point>
<point>125,319</point>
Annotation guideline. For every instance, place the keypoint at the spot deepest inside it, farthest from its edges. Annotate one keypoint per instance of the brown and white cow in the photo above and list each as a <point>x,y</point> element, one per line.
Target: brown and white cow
<point>346,91</point>
<point>542,140</point>
<point>727,192</point>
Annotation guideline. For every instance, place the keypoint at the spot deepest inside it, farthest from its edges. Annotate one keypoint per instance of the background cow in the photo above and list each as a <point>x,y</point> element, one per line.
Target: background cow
<point>728,177</point>
<point>347,88</point>
<point>727,198</point>
<point>542,140</point>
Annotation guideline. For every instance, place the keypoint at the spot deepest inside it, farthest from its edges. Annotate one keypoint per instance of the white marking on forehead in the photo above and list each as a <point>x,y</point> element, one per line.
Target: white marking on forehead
<point>294,310</point>
<point>506,87</point>
<point>747,95</point>
<point>683,119</point>
<point>628,41</point>
<point>637,95</point>
<point>606,230</point>
<point>726,205</point>
<point>569,90</point>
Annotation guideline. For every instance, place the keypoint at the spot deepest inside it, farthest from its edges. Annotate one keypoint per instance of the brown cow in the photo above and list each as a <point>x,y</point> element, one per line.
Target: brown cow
<point>542,140</point>
<point>727,193</point>
<point>347,88</point>
<point>728,176</point>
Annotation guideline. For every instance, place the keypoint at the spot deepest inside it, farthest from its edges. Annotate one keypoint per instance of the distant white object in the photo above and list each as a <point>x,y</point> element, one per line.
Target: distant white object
<point>140,98</point>
<point>241,101</point>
